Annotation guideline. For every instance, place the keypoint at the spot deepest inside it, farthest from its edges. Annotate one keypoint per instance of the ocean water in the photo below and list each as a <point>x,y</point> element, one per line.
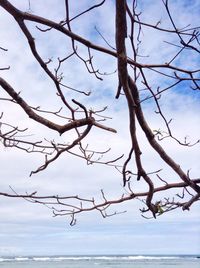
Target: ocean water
<point>101,262</point>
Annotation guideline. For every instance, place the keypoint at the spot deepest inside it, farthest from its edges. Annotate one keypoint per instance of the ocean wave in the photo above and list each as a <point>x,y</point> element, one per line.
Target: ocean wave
<point>91,258</point>
<point>152,257</point>
<point>21,259</point>
<point>41,258</point>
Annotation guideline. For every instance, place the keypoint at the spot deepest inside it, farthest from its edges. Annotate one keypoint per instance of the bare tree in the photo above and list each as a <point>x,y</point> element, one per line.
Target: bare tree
<point>75,116</point>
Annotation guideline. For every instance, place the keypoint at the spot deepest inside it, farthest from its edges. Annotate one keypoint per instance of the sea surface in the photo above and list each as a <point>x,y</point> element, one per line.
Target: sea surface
<point>101,262</point>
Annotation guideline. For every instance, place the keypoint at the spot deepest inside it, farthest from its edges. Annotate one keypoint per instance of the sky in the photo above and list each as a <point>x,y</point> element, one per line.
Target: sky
<point>30,229</point>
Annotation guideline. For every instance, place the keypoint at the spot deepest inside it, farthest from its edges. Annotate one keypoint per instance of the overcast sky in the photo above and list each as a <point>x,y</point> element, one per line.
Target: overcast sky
<point>29,229</point>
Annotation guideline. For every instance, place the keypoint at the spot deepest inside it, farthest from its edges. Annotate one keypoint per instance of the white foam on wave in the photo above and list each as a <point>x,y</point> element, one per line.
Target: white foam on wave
<point>3,259</point>
<point>42,258</point>
<point>152,257</point>
<point>21,259</point>
<point>14,259</point>
<point>91,258</point>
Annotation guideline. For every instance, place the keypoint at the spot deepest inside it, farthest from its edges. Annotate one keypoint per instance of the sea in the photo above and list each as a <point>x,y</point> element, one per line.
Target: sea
<point>129,261</point>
